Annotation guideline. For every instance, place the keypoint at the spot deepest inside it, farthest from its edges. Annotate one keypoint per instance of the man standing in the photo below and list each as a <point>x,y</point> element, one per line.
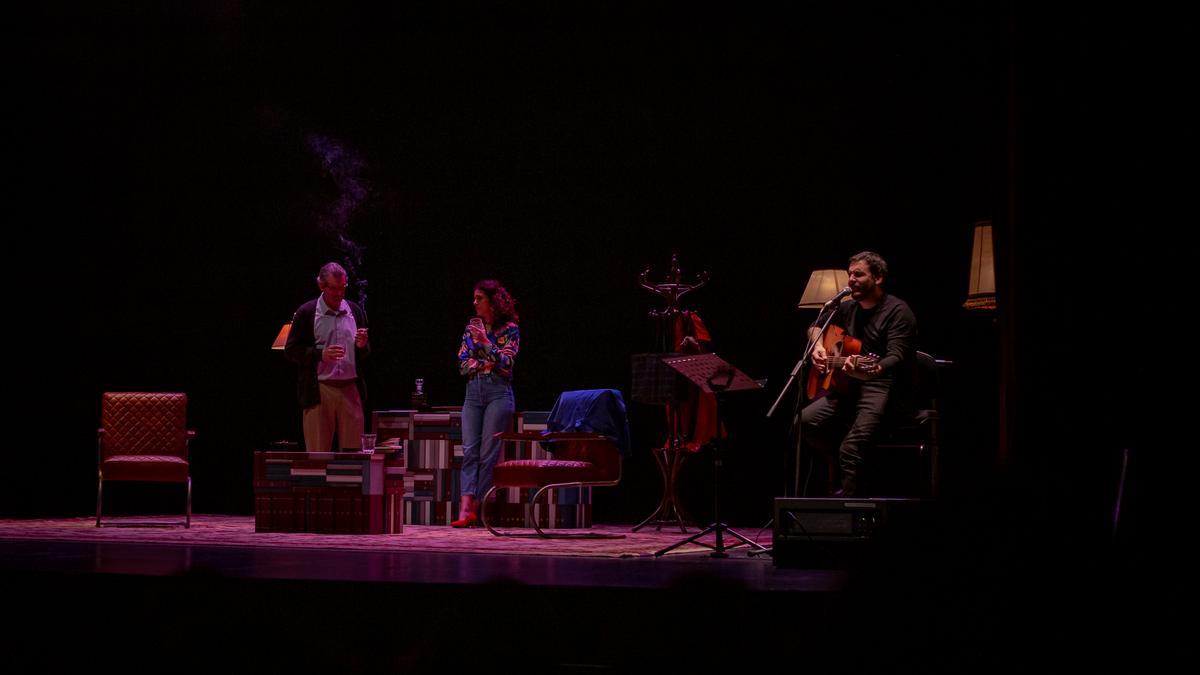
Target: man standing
<point>887,328</point>
<point>328,344</point>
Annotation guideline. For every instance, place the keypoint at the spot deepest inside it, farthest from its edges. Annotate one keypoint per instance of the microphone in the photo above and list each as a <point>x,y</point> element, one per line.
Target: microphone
<point>838,298</point>
<point>834,300</point>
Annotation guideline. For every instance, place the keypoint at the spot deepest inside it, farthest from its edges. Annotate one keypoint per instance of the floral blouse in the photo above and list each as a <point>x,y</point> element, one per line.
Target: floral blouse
<point>495,356</point>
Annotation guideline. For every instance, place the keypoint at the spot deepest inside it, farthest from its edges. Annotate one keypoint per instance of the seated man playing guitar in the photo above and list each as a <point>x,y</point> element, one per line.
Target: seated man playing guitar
<point>863,366</point>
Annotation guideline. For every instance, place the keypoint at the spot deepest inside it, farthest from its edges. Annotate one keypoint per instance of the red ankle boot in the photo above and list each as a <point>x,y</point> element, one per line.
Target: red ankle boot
<point>467,511</point>
<point>467,519</point>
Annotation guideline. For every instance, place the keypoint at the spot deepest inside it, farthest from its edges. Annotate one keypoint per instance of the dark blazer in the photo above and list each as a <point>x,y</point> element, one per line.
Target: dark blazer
<point>301,349</point>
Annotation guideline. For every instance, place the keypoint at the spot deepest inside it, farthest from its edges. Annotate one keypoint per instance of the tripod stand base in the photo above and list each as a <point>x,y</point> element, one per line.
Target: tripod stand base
<point>721,529</point>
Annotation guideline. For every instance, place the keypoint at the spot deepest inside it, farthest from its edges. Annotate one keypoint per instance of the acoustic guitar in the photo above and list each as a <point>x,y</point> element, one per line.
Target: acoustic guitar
<point>839,347</point>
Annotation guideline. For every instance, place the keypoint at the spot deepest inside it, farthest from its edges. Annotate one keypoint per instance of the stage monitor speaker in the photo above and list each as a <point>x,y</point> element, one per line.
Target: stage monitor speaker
<point>846,532</point>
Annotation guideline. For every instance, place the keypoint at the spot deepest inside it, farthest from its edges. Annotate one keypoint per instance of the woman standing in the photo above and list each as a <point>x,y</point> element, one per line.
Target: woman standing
<point>489,348</point>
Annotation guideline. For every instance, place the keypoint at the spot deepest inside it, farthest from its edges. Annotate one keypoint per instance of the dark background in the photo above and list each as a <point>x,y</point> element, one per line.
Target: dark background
<point>177,181</point>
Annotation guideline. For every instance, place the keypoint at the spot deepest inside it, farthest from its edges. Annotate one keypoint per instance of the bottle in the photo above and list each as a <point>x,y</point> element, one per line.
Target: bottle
<point>418,396</point>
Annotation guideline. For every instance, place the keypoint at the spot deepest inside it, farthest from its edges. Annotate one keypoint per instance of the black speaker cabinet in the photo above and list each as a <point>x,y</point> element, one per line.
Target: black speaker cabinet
<point>843,532</point>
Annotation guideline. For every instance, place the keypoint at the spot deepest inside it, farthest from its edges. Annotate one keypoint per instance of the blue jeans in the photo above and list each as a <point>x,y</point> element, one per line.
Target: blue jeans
<point>487,410</point>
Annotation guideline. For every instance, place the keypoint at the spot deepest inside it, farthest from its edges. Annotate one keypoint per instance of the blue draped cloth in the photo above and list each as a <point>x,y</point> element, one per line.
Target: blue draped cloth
<point>595,411</point>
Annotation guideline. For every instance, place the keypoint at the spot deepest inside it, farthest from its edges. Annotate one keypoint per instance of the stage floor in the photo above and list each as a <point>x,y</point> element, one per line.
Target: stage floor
<point>436,599</point>
<point>229,546</point>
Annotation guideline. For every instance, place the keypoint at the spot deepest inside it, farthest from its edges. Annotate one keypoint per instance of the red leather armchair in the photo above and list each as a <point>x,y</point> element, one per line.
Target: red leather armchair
<point>143,437</point>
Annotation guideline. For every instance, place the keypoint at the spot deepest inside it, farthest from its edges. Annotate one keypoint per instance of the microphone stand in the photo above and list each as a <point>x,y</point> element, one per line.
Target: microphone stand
<point>811,345</point>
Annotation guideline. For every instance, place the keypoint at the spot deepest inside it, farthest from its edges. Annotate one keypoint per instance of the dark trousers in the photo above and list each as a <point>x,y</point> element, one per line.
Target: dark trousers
<point>854,418</point>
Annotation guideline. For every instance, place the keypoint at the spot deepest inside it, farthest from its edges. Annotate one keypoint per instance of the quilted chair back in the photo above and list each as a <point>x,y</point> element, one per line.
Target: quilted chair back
<point>144,423</point>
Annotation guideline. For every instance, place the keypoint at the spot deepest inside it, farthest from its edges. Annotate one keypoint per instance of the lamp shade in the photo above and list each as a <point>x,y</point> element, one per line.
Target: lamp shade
<point>823,285</point>
<point>981,289</point>
<point>281,339</point>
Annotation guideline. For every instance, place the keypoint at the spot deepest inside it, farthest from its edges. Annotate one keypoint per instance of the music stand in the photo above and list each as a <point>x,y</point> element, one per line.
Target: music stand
<point>713,375</point>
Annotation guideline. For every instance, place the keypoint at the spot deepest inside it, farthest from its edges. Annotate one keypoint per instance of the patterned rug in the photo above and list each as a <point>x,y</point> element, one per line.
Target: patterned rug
<point>217,530</point>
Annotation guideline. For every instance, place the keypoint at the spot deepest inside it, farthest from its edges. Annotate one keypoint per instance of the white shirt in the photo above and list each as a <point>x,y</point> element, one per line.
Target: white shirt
<point>335,327</point>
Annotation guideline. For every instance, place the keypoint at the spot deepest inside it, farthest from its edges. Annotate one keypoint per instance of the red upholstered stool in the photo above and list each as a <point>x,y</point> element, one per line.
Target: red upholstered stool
<point>580,460</point>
